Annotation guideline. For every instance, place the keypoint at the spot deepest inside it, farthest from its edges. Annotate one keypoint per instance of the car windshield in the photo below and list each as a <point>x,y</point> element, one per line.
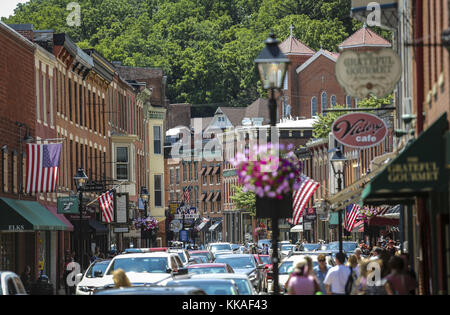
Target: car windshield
<point>203,270</point>
<point>217,247</point>
<point>140,264</point>
<point>183,259</point>
<point>310,247</point>
<point>287,247</point>
<point>347,247</point>
<point>206,255</point>
<point>237,262</point>
<point>266,259</point>
<point>243,286</point>
<point>286,267</point>
<point>211,288</point>
<point>95,267</point>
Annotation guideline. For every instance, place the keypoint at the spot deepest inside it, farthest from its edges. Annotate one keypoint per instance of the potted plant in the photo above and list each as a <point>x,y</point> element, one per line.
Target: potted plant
<point>272,172</point>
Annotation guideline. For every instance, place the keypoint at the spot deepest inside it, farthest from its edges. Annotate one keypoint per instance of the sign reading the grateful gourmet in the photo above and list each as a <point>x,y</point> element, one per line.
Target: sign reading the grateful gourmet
<point>413,171</point>
<point>362,73</point>
<point>359,130</point>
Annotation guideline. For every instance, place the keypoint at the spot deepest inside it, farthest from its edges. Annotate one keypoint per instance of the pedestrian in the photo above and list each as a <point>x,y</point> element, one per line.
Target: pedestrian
<point>321,271</point>
<point>337,276</point>
<point>398,282</point>
<point>375,254</point>
<point>266,249</point>
<point>27,279</point>
<point>353,263</point>
<point>390,248</point>
<point>358,253</point>
<point>301,282</point>
<point>375,281</point>
<point>69,258</point>
<point>310,266</point>
<point>120,279</point>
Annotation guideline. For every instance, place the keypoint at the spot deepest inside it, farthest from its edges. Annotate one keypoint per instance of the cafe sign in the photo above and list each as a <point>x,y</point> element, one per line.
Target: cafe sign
<point>359,130</point>
<point>365,73</point>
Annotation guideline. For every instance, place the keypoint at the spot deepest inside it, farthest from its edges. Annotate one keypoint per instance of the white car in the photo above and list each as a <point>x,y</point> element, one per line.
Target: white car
<point>92,278</point>
<point>215,247</point>
<point>244,285</point>
<point>11,284</point>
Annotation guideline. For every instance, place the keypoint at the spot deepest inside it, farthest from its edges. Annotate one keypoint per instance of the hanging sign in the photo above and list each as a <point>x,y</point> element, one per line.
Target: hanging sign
<point>362,73</point>
<point>359,130</point>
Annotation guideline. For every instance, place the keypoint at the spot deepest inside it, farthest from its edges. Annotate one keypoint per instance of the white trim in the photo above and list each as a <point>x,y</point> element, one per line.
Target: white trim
<point>314,58</point>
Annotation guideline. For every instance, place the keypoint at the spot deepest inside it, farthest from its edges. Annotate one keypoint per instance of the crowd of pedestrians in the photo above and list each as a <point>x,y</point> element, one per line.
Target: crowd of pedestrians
<point>382,271</point>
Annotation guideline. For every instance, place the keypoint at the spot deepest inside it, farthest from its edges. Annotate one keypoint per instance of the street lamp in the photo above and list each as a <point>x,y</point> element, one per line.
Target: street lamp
<point>80,180</point>
<point>145,197</point>
<point>272,65</point>
<point>338,161</point>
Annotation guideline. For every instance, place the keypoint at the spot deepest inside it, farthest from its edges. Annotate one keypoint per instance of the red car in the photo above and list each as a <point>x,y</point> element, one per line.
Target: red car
<point>209,268</point>
<point>267,262</point>
<point>209,256</point>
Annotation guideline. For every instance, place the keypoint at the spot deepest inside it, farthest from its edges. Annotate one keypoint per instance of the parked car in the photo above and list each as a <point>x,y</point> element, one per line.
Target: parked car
<point>196,260</point>
<point>145,268</point>
<point>86,283</point>
<point>205,253</point>
<point>348,247</point>
<point>286,249</point>
<point>246,264</point>
<point>152,290</point>
<point>244,285</point>
<point>235,248</point>
<point>222,253</point>
<point>11,284</point>
<point>210,286</point>
<point>209,268</point>
<point>215,247</point>
<point>310,247</point>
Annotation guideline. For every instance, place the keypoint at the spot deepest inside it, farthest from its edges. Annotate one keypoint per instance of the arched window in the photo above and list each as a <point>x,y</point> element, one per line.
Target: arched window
<point>348,101</point>
<point>313,106</point>
<point>333,100</point>
<point>324,101</point>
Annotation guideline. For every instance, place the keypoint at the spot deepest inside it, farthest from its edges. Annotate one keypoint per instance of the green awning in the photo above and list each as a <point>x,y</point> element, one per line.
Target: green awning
<point>417,170</point>
<point>22,215</point>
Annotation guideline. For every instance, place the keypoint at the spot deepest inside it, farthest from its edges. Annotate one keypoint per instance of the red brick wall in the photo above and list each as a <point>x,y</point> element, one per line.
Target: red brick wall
<point>319,76</point>
<point>17,93</point>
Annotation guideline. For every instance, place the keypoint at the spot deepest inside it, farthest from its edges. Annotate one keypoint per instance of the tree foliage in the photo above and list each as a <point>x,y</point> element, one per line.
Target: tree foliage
<point>244,200</point>
<point>322,127</point>
<point>205,47</point>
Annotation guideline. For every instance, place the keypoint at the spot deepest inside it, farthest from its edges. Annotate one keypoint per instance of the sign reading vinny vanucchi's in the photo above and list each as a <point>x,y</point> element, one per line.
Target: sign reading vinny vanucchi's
<point>359,130</point>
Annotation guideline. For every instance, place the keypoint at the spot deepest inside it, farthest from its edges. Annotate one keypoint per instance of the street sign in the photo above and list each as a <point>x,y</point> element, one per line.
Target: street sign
<point>68,205</point>
<point>184,235</point>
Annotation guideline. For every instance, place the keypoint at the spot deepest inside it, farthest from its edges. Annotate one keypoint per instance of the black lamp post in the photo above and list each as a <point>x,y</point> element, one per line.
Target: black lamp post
<point>80,180</point>
<point>272,65</point>
<point>145,197</point>
<point>338,161</point>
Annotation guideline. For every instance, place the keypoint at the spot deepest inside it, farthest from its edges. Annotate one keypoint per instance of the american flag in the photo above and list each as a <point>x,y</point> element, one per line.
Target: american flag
<point>107,205</point>
<point>187,194</point>
<point>351,214</point>
<point>301,198</point>
<point>42,167</point>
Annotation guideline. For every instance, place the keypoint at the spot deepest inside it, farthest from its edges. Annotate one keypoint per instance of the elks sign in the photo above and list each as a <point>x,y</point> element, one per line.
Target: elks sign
<point>359,130</point>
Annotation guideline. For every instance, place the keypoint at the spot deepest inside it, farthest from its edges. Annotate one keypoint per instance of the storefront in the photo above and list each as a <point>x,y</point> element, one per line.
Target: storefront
<point>417,179</point>
<point>30,234</point>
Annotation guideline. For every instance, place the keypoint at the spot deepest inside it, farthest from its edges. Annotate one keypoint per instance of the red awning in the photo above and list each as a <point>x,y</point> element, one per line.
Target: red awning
<point>380,221</point>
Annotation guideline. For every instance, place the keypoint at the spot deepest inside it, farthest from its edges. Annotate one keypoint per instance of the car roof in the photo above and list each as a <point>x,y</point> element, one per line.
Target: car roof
<point>219,275</point>
<point>157,290</point>
<point>152,254</point>
<point>207,265</point>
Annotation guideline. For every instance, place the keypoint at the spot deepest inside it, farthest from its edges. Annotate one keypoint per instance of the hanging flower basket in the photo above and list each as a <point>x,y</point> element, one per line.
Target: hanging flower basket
<point>272,172</point>
<point>145,224</point>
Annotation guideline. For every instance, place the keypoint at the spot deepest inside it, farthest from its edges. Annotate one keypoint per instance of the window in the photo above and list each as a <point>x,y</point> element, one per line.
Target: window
<point>158,190</point>
<point>4,170</point>
<point>333,100</point>
<point>314,106</point>
<point>190,171</point>
<point>157,139</point>
<point>171,176</point>
<point>324,102</point>
<point>195,170</point>
<point>348,101</point>
<point>184,172</point>
<point>285,83</point>
<point>177,176</point>
<point>122,163</point>
<point>70,99</point>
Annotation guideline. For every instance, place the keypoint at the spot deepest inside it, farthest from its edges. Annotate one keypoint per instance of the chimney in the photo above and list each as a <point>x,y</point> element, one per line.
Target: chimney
<point>26,30</point>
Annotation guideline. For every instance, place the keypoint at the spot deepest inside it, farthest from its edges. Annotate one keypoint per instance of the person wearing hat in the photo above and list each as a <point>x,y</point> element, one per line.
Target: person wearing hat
<point>391,247</point>
<point>301,282</point>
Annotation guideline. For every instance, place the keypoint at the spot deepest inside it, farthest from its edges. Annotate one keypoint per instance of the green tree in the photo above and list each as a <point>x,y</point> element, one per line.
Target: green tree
<point>244,200</point>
